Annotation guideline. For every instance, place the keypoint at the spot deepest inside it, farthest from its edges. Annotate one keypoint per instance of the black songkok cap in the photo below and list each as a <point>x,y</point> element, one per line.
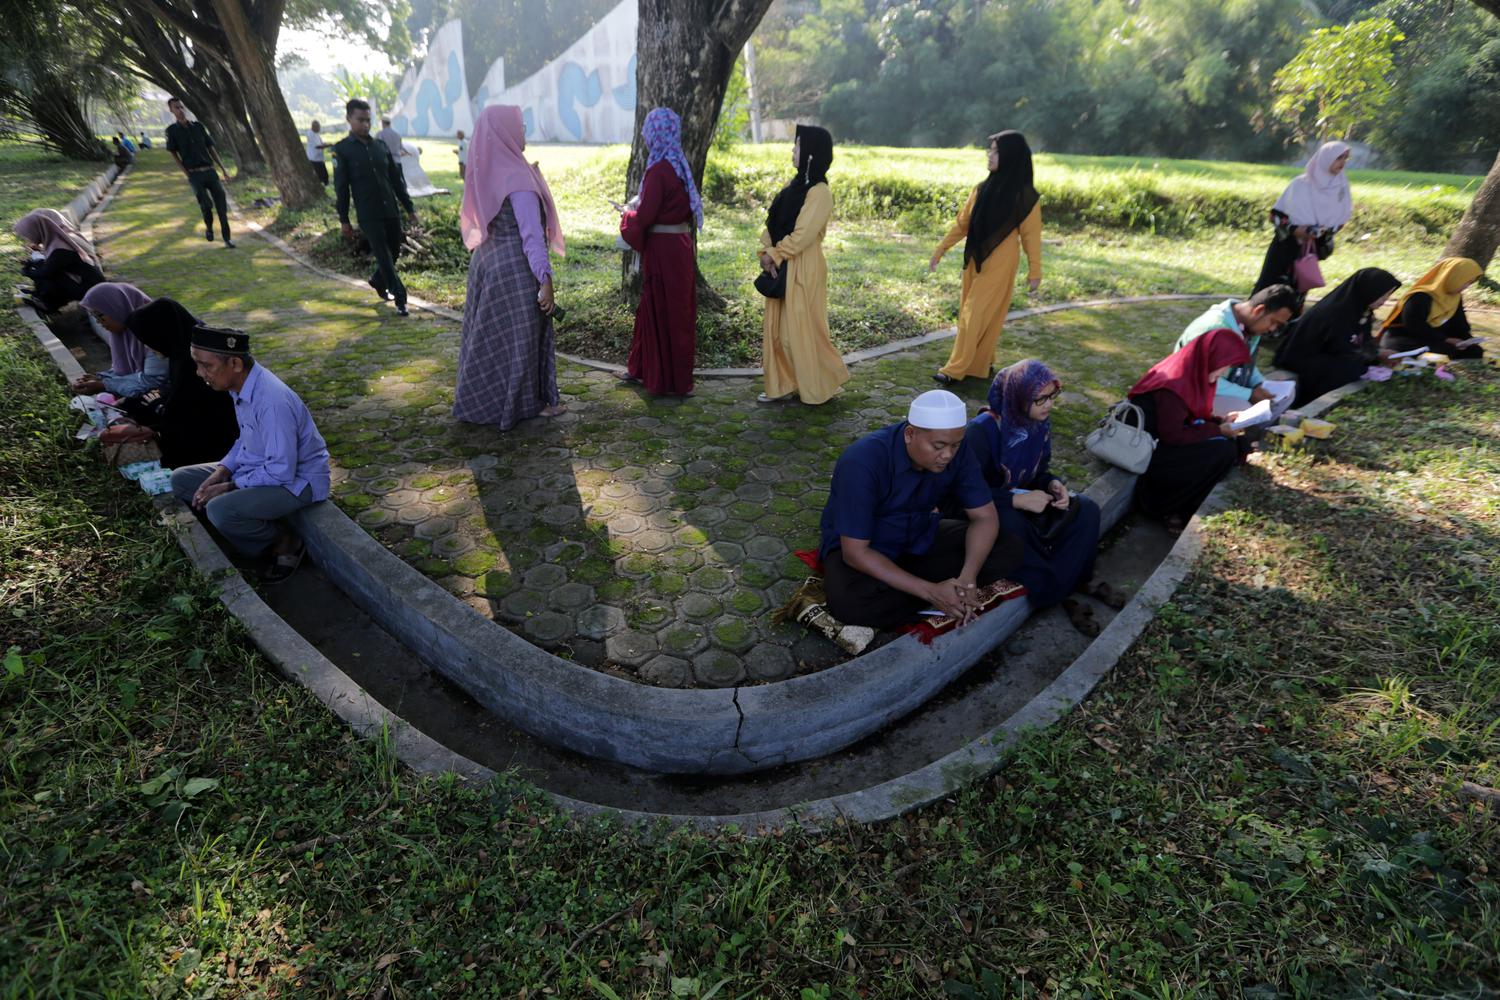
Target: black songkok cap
<point>221,341</point>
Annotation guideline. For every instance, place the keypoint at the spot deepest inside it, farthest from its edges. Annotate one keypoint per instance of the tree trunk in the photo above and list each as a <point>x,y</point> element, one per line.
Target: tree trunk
<point>254,64</point>
<point>686,51</point>
<point>160,55</point>
<point>1478,232</point>
<point>58,116</point>
<point>234,120</point>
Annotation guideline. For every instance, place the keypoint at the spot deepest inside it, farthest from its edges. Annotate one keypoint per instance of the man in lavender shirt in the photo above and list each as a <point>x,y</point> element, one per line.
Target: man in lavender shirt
<point>278,466</point>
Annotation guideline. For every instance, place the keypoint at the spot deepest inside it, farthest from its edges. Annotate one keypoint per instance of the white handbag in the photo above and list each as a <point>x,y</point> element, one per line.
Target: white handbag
<point>1120,442</point>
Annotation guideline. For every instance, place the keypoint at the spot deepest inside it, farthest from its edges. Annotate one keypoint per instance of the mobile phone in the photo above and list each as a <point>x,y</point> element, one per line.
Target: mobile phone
<point>557,313</point>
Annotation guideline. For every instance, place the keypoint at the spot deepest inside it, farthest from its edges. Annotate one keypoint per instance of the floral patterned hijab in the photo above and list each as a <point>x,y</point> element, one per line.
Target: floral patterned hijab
<point>662,132</point>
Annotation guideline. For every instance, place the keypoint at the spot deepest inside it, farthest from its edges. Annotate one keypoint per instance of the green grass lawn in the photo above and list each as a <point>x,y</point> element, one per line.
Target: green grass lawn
<point>1262,800</point>
<point>1117,226</point>
<point>31,177</point>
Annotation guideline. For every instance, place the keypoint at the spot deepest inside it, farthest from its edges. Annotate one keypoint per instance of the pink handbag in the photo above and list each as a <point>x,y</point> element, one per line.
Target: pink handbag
<point>1306,272</point>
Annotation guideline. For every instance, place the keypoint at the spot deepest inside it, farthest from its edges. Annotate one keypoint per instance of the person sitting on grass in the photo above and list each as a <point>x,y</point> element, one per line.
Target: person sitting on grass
<point>278,466</point>
<point>191,422</point>
<point>1431,314</point>
<point>67,267</point>
<point>1195,449</point>
<point>134,369</point>
<point>1264,312</point>
<point>886,551</point>
<point>1331,345</point>
<point>1012,442</point>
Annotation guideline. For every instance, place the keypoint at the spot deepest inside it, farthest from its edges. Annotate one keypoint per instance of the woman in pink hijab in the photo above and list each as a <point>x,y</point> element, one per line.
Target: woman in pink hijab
<point>507,366</point>
<point>67,267</point>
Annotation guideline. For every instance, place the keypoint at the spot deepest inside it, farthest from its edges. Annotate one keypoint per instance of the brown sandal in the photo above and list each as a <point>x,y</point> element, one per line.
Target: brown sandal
<point>1081,617</point>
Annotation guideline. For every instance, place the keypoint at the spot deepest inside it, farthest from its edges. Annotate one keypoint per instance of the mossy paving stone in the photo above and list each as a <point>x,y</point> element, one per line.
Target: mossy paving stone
<point>723,490</point>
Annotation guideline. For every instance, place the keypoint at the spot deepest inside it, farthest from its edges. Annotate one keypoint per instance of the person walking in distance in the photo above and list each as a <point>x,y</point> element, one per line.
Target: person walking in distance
<point>194,150</point>
<point>365,170</point>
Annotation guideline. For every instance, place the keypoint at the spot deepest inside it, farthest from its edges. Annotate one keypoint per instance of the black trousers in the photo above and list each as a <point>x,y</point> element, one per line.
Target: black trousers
<point>384,236</point>
<point>321,169</point>
<point>210,194</point>
<point>856,598</point>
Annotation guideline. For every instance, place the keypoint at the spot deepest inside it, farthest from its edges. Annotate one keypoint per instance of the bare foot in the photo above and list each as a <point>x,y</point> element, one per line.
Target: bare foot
<point>554,411</point>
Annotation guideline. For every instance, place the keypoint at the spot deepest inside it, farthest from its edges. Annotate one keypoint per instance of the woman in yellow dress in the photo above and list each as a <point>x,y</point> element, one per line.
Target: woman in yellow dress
<point>1001,217</point>
<point>799,356</point>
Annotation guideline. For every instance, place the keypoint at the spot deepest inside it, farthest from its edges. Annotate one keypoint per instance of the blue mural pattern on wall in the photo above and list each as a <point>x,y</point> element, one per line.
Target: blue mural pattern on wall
<point>575,87</point>
<point>625,92</point>
<point>432,102</point>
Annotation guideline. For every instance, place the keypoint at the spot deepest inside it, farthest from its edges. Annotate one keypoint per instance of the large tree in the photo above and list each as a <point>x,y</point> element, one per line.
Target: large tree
<point>242,36</point>
<point>1478,232</point>
<point>685,53</point>
<point>170,60</point>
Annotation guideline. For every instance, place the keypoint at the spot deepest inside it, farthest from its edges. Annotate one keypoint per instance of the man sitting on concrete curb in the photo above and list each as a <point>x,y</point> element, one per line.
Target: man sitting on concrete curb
<point>278,466</point>
<point>886,551</point>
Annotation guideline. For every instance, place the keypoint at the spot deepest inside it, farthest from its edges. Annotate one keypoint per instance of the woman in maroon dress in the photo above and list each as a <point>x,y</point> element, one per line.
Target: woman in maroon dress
<point>660,229</point>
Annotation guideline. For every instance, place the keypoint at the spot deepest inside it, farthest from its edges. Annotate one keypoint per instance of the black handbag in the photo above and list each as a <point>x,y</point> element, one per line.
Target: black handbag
<point>772,288</point>
<point>1050,525</point>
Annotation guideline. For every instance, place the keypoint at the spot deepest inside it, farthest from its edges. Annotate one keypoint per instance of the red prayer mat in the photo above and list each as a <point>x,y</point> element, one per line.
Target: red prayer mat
<point>991,596</point>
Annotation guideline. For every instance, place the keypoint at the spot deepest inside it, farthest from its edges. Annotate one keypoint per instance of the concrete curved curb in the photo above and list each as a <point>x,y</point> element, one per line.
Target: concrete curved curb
<point>694,731</point>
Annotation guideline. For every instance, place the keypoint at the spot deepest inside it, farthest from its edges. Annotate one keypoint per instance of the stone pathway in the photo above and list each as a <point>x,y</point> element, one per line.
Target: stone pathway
<point>645,537</point>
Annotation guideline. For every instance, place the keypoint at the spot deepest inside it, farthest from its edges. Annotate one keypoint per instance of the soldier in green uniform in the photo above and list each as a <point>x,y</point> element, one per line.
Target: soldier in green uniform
<point>364,167</point>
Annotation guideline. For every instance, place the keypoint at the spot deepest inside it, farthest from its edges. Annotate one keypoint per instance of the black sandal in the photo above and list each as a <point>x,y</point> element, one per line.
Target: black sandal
<point>284,565</point>
<point>942,379</point>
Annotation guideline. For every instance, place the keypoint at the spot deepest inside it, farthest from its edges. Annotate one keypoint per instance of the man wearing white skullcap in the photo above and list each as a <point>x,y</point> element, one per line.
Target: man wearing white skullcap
<point>887,553</point>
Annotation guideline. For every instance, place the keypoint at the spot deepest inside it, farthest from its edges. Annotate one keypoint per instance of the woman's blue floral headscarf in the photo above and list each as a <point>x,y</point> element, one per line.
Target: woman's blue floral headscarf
<point>1016,388</point>
<point>662,131</point>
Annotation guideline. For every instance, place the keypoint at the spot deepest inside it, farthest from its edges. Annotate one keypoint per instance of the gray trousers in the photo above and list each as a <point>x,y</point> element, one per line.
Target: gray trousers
<point>246,518</point>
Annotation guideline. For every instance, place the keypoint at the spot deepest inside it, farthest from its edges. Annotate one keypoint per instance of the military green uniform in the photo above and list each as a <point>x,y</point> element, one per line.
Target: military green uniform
<point>366,170</point>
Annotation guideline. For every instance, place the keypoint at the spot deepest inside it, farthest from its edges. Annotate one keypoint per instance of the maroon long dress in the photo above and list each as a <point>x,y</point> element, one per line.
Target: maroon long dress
<point>666,322</point>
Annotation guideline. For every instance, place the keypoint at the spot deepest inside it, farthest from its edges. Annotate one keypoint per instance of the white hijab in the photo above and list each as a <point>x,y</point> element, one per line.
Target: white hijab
<point>1317,196</point>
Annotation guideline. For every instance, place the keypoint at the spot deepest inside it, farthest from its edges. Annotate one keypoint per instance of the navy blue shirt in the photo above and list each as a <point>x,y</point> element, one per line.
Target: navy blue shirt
<point>878,495</point>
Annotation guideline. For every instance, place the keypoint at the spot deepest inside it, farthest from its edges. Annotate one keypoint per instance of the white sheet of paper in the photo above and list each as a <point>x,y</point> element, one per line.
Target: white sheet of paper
<point>1282,389</point>
<point>1260,413</point>
<point>1409,354</point>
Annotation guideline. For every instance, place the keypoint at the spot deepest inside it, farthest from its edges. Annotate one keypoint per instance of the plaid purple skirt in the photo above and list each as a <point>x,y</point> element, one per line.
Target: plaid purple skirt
<point>507,370</point>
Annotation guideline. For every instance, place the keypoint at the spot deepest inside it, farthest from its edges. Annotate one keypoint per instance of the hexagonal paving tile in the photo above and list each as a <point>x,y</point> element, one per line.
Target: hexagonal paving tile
<point>549,627</point>
<point>763,547</point>
<point>718,669</point>
<point>545,577</point>
<point>453,545</point>
<point>733,633</point>
<point>572,596</point>
<point>600,621</point>
<point>682,639</point>
<point>700,607</point>
<point>631,649</point>
<point>434,527</point>
<point>712,579</point>
<point>523,604</point>
<point>769,663</point>
<point>667,671</point>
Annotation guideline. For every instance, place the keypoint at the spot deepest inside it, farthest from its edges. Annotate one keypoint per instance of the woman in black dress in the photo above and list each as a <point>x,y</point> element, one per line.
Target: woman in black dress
<point>1331,344</point>
<point>68,267</point>
<point>1431,315</point>
<point>191,422</point>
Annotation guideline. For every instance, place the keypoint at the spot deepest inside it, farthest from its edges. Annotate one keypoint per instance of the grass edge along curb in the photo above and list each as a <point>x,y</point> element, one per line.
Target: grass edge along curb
<point>298,660</point>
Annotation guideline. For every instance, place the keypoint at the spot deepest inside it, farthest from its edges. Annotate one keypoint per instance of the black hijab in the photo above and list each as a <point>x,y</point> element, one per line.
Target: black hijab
<point>1004,200</point>
<point>1337,325</point>
<point>195,422</point>
<point>815,153</point>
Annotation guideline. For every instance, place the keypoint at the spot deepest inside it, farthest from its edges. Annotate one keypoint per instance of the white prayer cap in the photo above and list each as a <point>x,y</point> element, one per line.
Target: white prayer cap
<point>937,410</point>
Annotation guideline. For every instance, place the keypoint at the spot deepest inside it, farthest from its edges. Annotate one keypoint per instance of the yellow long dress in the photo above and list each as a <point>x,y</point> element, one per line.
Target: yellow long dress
<point>985,299</point>
<point>799,356</point>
